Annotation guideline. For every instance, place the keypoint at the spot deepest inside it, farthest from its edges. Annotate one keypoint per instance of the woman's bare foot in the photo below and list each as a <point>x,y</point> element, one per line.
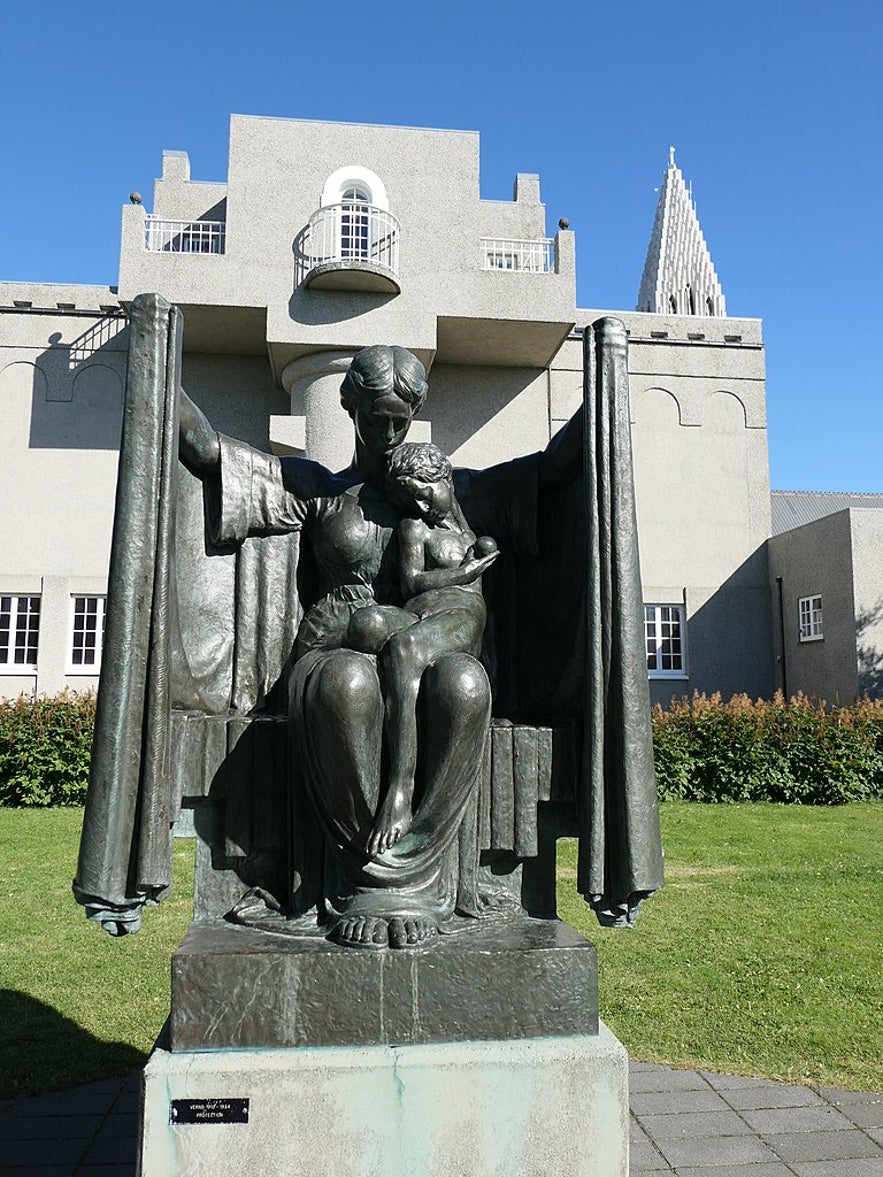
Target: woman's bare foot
<point>411,931</point>
<point>362,931</point>
<point>374,931</point>
<point>393,820</point>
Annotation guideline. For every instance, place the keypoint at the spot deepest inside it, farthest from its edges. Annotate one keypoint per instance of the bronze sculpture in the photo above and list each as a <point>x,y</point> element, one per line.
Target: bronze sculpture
<point>327,623</point>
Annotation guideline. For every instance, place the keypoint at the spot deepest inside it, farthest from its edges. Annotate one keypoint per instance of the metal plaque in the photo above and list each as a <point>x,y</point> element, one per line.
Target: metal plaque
<point>208,1111</point>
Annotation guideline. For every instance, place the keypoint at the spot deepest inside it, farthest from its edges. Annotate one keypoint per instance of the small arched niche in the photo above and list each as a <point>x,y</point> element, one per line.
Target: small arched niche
<point>724,412</point>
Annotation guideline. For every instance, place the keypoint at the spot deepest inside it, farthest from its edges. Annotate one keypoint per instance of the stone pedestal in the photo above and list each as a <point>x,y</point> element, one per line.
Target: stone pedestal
<point>460,1109</point>
<point>481,1054</point>
<point>236,988</point>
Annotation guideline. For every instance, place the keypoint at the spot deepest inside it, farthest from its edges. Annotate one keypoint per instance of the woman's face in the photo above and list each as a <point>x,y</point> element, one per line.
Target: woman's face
<point>383,424</point>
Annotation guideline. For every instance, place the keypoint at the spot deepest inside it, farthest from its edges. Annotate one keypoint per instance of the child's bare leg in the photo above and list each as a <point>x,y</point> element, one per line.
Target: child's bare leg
<point>403,661</point>
<point>371,627</point>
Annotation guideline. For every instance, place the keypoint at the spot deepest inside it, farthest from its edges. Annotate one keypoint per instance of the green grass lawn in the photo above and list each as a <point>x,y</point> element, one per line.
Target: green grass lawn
<point>763,955</point>
<point>76,1004</point>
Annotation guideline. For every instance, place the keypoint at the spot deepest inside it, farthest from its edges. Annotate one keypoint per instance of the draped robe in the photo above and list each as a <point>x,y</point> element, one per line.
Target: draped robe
<point>565,641</point>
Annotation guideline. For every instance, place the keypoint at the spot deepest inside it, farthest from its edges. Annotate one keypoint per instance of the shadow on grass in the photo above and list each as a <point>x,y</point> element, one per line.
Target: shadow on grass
<point>41,1050</point>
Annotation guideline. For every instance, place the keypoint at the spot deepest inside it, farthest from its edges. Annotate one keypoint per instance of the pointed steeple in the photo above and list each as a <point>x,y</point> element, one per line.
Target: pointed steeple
<point>679,276</point>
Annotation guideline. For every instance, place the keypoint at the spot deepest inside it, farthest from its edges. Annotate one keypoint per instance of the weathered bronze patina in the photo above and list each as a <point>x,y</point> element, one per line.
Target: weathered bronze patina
<point>384,691</point>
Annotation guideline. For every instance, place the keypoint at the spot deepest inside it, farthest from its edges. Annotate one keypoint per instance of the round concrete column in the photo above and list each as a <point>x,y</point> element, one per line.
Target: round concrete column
<point>313,383</point>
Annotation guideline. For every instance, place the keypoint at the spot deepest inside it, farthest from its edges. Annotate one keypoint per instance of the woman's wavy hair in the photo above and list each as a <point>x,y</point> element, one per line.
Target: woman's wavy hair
<point>381,369</point>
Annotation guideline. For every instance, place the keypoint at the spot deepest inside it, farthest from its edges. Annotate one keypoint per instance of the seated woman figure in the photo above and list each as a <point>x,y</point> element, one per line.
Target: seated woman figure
<point>441,564</point>
<point>401,895</point>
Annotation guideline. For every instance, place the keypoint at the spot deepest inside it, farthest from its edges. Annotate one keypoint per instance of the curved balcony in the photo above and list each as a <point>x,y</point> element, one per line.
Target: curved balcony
<point>349,246</point>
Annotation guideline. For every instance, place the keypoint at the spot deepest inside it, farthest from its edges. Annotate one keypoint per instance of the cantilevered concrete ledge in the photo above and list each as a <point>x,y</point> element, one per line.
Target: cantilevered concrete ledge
<point>353,275</point>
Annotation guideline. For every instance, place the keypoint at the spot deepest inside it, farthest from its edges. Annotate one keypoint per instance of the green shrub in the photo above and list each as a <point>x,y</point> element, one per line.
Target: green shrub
<point>705,750</point>
<point>45,745</point>
<point>799,751</point>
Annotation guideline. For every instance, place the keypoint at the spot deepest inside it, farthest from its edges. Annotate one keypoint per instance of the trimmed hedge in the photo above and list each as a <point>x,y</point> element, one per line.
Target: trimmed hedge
<point>45,745</point>
<point>799,751</point>
<point>705,750</point>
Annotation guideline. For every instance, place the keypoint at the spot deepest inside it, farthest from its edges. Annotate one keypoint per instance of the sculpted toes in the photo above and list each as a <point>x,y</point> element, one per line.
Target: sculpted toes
<point>398,936</point>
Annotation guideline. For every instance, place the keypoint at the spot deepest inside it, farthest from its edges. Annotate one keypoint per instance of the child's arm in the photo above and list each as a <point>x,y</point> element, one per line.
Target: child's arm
<point>417,578</point>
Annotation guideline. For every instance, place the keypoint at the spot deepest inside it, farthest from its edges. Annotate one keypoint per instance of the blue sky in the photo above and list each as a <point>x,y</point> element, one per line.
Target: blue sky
<point>774,108</point>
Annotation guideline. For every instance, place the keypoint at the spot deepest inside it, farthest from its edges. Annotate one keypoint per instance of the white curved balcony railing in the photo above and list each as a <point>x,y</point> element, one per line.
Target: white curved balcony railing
<point>352,232</point>
<point>164,236</point>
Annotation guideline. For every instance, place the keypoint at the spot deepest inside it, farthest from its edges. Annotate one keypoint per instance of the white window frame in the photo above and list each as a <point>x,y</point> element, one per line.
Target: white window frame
<point>810,627</point>
<point>21,606</point>
<point>656,618</point>
<point>355,223</point>
<point>88,668</point>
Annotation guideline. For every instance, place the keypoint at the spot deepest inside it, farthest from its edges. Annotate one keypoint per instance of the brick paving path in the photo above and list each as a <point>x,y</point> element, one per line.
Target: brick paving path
<point>697,1124</point>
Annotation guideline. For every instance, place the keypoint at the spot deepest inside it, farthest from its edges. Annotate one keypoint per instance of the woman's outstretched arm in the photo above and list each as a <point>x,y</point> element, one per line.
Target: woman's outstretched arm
<point>198,445</point>
<point>562,459</point>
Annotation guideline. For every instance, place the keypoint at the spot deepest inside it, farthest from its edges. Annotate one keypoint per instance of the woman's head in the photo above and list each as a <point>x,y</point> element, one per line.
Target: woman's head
<point>383,388</point>
<point>380,370</point>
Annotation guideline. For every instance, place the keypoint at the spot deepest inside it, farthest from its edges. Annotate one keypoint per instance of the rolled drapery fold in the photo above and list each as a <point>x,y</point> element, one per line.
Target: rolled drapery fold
<point>126,849</point>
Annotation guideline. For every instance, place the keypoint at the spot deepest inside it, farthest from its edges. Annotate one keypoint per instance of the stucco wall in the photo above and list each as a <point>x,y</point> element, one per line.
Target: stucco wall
<point>698,409</point>
<point>816,559</point>
<point>62,375</point>
<point>485,415</point>
<point>866,528</point>
<point>276,173</point>
<point>61,387</point>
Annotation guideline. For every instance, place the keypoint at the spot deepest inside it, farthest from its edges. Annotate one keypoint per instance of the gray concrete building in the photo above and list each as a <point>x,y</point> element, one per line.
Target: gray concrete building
<point>826,573</point>
<point>325,238</point>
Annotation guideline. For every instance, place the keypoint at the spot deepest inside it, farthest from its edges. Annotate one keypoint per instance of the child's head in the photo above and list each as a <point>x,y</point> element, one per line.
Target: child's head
<point>419,480</point>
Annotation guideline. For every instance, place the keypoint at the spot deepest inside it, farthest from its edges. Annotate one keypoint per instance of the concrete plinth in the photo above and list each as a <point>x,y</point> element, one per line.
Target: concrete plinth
<point>466,1109</point>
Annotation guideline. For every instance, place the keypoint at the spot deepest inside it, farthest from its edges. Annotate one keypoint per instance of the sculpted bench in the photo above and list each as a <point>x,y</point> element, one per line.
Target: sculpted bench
<point>232,770</point>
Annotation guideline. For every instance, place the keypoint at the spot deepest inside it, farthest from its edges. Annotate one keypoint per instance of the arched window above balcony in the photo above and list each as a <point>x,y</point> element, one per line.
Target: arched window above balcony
<point>353,178</point>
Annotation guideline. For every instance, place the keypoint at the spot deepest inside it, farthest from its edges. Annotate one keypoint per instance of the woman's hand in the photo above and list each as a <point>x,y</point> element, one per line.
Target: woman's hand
<point>198,445</point>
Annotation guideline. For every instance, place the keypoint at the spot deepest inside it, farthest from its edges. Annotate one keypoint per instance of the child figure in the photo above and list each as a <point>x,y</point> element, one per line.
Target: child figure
<point>441,563</point>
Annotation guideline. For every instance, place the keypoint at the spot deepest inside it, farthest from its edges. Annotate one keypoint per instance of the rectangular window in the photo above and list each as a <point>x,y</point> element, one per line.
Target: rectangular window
<point>809,619</point>
<point>496,260</point>
<point>87,634</point>
<point>19,634</point>
<point>664,629</point>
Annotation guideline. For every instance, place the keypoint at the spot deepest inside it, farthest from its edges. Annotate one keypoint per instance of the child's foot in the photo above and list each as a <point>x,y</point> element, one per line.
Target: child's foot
<point>393,820</point>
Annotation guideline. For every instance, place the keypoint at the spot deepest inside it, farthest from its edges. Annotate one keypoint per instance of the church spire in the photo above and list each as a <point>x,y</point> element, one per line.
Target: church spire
<point>679,277</point>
